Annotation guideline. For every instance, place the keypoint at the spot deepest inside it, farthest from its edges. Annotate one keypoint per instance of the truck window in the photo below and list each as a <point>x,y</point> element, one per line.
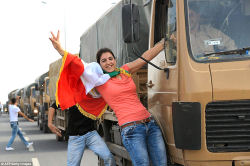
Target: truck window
<point>33,93</point>
<point>213,26</point>
<point>47,87</point>
<point>22,94</point>
<point>171,50</point>
<point>165,26</point>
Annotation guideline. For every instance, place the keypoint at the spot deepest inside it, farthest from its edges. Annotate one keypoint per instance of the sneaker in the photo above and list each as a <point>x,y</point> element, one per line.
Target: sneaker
<point>9,148</point>
<point>29,144</point>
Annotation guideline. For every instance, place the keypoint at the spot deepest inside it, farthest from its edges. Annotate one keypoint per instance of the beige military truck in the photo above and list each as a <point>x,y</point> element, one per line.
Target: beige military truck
<point>61,116</point>
<point>29,99</point>
<point>21,99</point>
<point>199,91</point>
<point>42,102</point>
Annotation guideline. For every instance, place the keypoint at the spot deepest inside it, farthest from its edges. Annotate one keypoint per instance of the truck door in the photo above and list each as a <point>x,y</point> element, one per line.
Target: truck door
<point>163,85</point>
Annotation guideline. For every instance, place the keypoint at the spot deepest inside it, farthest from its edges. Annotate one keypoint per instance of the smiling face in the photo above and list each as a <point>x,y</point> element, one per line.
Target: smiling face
<point>108,62</point>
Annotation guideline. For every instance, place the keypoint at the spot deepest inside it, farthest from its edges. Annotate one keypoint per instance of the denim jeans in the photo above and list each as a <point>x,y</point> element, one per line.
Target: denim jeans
<point>145,143</point>
<point>94,142</point>
<point>15,131</point>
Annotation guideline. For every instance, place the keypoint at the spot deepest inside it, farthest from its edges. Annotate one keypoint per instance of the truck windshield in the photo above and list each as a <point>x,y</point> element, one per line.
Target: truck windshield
<point>33,93</point>
<point>47,87</point>
<point>215,28</point>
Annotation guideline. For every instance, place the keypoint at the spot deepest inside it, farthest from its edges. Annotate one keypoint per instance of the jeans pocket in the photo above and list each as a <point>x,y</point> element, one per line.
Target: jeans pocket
<point>13,124</point>
<point>72,138</point>
<point>153,122</point>
<point>128,130</point>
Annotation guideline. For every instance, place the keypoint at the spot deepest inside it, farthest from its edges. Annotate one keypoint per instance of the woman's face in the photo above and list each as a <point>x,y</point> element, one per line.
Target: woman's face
<point>108,62</point>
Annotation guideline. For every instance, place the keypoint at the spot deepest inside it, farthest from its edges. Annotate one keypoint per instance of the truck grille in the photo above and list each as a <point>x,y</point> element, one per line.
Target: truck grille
<point>228,126</point>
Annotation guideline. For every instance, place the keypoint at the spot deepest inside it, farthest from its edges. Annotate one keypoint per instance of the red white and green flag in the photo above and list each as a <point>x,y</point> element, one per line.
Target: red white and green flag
<point>76,86</point>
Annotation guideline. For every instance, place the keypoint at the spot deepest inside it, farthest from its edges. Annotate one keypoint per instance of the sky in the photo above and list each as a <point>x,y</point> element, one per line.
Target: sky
<point>26,50</point>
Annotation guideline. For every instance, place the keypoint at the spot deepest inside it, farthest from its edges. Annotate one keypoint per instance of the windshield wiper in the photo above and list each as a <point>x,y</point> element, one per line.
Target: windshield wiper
<point>230,52</point>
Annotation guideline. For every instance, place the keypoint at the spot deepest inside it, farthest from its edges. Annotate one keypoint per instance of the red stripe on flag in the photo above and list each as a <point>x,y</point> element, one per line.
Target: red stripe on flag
<point>69,84</point>
<point>71,91</point>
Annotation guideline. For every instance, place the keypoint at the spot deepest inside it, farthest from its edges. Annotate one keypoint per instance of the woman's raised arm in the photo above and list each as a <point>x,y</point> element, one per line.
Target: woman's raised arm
<point>56,42</point>
<point>148,55</point>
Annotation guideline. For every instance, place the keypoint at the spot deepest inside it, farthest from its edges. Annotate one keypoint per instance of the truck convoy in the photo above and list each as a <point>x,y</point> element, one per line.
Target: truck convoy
<point>29,101</point>
<point>197,88</point>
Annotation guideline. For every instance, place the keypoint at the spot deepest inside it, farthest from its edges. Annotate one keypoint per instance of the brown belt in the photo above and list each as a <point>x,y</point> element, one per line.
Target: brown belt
<point>137,122</point>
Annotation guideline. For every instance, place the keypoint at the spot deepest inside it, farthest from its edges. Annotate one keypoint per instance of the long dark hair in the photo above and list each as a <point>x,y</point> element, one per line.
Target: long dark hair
<point>101,51</point>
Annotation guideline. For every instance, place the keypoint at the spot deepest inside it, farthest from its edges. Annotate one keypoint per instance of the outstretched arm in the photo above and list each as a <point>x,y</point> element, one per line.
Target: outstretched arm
<point>52,127</point>
<point>23,115</point>
<point>148,55</point>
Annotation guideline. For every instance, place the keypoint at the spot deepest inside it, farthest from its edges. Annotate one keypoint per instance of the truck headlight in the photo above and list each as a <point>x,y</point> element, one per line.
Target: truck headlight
<point>35,111</point>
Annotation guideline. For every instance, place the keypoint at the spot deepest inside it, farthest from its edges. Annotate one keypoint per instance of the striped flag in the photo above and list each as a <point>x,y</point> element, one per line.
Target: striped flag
<point>76,86</point>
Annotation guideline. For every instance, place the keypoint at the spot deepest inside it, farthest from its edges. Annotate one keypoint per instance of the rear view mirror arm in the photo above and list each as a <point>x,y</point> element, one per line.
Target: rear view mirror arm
<point>157,67</point>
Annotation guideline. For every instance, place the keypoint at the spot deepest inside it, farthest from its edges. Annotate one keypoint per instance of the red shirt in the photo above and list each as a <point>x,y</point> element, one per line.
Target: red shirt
<point>121,96</point>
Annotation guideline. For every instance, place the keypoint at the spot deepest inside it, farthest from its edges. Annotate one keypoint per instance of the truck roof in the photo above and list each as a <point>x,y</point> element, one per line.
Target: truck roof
<point>107,32</point>
<point>27,89</point>
<point>40,80</point>
<point>12,94</point>
<point>18,92</point>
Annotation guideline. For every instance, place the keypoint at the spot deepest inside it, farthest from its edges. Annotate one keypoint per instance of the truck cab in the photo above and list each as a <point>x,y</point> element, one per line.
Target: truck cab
<point>201,98</point>
<point>44,106</point>
<point>32,100</point>
<point>197,88</point>
<point>40,102</point>
<point>30,109</point>
<point>21,101</point>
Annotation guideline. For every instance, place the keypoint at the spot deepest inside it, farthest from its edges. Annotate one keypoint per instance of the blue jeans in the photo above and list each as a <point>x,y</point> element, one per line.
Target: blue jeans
<point>145,143</point>
<point>15,131</point>
<point>94,142</point>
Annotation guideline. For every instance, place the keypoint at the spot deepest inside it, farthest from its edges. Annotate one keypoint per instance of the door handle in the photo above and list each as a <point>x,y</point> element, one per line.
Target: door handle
<point>150,84</point>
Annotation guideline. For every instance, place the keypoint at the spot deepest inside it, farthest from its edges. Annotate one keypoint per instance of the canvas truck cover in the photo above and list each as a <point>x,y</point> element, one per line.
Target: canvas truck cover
<point>54,69</point>
<point>107,32</point>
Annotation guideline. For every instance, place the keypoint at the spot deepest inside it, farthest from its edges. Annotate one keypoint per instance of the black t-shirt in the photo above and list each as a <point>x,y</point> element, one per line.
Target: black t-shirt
<point>78,124</point>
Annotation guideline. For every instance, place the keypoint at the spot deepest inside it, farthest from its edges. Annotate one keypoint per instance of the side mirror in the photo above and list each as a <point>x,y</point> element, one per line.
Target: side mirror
<point>130,23</point>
